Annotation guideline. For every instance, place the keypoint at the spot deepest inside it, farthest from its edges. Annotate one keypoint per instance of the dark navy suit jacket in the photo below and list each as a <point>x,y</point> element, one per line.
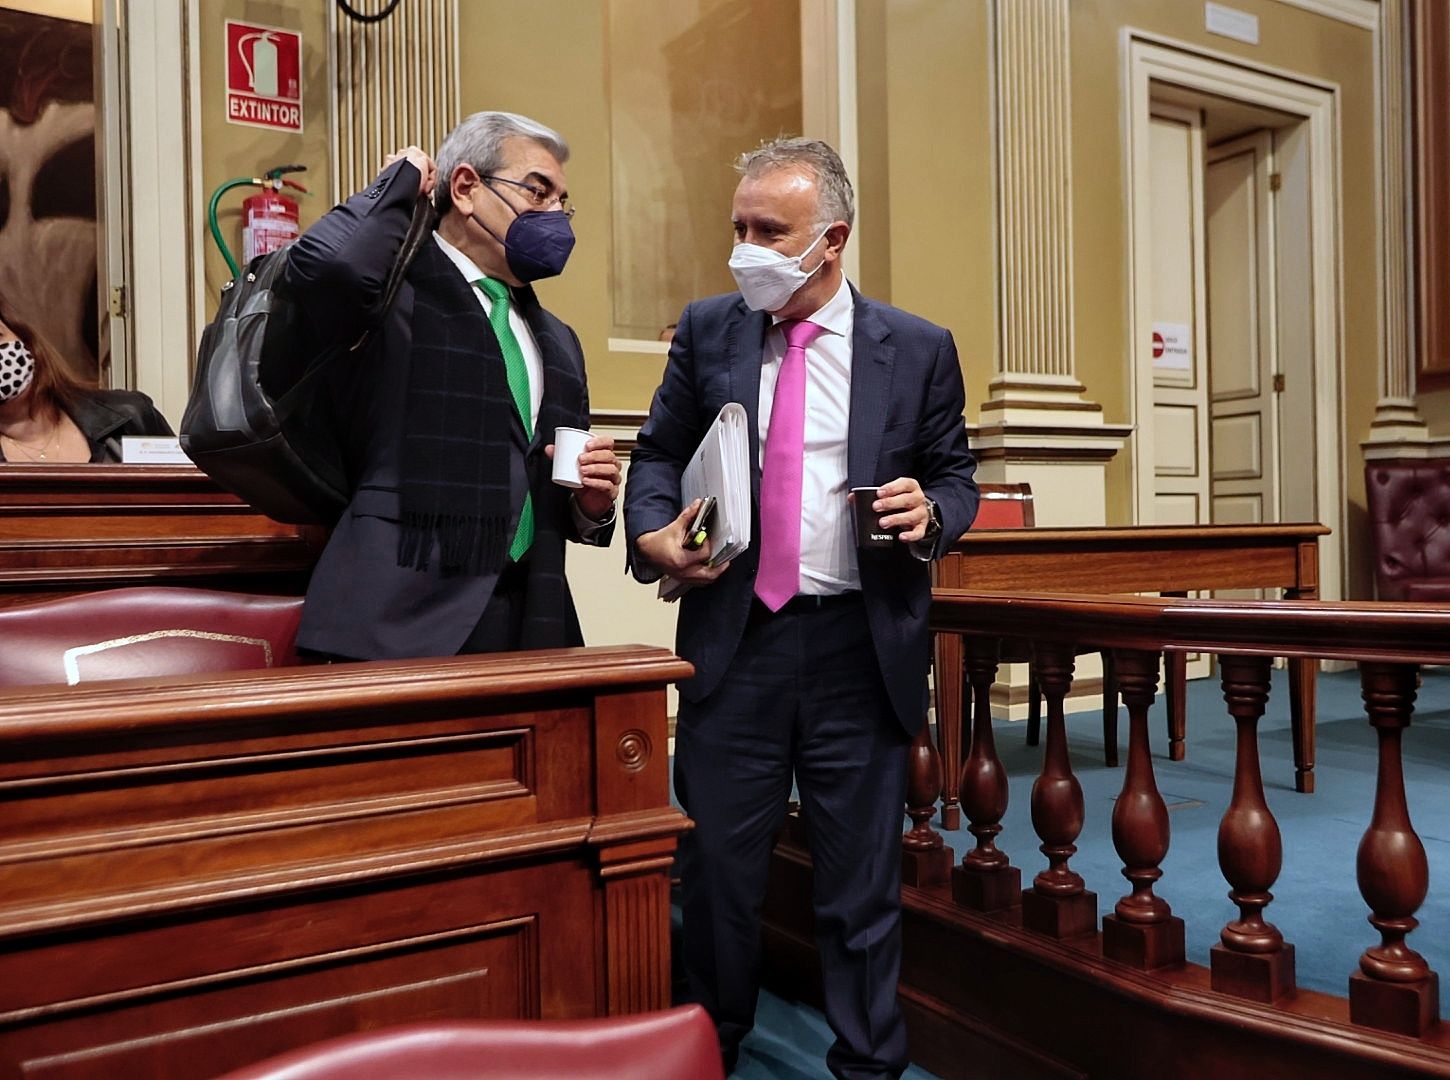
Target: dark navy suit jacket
<point>360,602</point>
<point>906,420</point>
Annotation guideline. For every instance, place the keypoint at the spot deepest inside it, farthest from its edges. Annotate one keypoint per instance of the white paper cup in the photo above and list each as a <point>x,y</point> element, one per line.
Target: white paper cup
<point>568,445</point>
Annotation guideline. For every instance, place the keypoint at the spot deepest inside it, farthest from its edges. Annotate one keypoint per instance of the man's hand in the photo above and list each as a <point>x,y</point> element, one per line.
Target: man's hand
<point>904,497</point>
<point>665,550</point>
<point>600,472</point>
<point>427,171</point>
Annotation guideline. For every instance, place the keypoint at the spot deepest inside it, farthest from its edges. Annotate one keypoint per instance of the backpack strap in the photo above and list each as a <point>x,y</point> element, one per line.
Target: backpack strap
<point>419,229</point>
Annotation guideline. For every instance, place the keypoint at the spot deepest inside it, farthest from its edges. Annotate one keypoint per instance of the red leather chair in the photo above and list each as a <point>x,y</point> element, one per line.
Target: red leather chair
<point>130,633</point>
<point>1409,510</point>
<point>675,1044</point>
<point>1005,506</point>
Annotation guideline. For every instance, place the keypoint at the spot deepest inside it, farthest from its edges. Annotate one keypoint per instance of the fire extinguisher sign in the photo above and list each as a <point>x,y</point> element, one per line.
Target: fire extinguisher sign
<point>264,76</point>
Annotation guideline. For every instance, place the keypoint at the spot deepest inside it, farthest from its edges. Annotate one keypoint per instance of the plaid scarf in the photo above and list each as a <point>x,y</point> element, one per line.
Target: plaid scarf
<point>457,428</point>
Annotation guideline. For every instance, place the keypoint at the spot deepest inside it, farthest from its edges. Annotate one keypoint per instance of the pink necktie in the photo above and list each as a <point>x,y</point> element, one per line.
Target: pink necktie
<point>780,477</point>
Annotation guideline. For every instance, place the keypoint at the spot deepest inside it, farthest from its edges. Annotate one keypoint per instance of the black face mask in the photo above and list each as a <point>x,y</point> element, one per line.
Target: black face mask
<point>538,242</point>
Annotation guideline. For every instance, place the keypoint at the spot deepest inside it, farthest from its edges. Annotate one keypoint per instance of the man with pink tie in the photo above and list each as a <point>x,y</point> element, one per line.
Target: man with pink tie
<point>810,653</point>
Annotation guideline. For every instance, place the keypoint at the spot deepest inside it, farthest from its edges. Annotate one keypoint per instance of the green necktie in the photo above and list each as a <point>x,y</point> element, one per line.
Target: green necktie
<point>517,373</point>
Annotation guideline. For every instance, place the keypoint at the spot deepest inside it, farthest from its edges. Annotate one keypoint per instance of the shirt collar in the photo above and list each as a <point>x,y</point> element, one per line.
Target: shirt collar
<point>834,316</point>
<point>466,266</point>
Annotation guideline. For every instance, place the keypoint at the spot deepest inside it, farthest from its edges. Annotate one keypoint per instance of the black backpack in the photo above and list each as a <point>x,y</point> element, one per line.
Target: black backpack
<point>258,421</point>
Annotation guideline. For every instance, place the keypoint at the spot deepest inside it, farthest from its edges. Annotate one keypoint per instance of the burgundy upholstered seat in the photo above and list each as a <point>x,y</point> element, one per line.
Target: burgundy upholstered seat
<point>131,633</point>
<point>1409,510</point>
<point>674,1044</point>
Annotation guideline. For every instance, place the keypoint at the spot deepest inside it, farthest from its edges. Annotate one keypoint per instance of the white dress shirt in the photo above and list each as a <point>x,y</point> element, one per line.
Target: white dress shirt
<point>517,323</point>
<point>828,541</point>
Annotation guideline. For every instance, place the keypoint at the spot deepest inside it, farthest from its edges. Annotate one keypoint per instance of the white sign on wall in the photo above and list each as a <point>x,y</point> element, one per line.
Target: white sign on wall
<point>1231,23</point>
<point>1172,346</point>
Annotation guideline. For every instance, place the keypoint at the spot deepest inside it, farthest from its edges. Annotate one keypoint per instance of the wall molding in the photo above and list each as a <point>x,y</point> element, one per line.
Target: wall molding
<point>1031,45</point>
<point>828,93</point>
<point>1364,14</point>
<point>151,72</point>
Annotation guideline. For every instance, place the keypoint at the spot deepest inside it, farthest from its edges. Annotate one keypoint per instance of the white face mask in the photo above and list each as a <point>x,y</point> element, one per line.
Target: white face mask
<point>768,279</point>
<point>17,368</point>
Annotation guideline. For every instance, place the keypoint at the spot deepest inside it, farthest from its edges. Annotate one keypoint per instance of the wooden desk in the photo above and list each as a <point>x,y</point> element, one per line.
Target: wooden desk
<point>1172,560</point>
<point>199,872</point>
<point>76,528</point>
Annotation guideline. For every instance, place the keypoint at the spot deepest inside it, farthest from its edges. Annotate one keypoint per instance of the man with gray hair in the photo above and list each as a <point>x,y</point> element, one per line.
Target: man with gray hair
<point>453,541</point>
<point>811,649</point>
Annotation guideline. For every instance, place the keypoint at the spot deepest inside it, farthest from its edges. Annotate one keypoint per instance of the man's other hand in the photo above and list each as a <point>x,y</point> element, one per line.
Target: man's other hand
<point>665,550</point>
<point>906,501</point>
<point>427,171</point>
<point>600,472</point>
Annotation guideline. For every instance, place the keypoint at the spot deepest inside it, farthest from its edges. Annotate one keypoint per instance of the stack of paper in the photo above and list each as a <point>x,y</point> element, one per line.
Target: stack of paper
<point>720,467</point>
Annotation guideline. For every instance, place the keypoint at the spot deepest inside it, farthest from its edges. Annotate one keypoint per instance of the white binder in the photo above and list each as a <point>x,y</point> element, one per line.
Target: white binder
<point>720,467</point>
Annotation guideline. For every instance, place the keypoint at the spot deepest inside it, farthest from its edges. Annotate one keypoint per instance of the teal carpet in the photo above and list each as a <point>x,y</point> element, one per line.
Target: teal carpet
<point>1316,900</point>
<point>1316,904</point>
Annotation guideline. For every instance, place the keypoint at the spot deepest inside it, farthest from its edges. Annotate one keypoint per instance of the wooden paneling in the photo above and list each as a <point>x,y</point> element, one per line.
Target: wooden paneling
<point>200,872</point>
<point>1140,559</point>
<point>75,528</point>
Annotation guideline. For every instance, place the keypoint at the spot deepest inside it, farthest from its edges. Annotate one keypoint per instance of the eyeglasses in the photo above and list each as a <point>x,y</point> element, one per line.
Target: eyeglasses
<point>541,198</point>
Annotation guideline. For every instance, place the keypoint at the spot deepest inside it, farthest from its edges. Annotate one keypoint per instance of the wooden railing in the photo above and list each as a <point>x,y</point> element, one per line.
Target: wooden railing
<point>1394,989</point>
<point>1010,971</point>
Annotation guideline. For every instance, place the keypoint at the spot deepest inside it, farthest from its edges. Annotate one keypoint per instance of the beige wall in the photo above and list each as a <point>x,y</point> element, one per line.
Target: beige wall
<point>939,136</point>
<point>229,150</point>
<point>1435,408</point>
<point>872,235</point>
<point>75,10</point>
<point>691,84</point>
<point>499,61</point>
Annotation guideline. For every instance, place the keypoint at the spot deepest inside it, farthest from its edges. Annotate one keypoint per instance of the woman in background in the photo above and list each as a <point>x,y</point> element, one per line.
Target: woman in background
<point>49,416</point>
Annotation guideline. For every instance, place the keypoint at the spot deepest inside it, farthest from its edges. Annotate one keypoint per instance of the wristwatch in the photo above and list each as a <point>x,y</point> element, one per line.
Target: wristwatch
<point>933,524</point>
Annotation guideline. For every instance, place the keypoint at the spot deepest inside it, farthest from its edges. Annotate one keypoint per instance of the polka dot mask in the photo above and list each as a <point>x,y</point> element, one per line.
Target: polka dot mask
<point>17,368</point>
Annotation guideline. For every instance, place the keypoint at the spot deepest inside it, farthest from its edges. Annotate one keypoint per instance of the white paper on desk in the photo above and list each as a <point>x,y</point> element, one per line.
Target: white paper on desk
<point>720,467</point>
<point>152,450</point>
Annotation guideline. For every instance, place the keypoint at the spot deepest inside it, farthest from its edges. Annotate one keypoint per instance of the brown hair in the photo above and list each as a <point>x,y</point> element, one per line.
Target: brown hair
<point>55,388</point>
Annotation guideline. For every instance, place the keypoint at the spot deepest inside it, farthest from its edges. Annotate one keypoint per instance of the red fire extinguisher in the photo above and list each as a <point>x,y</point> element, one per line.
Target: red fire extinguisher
<point>269,220</point>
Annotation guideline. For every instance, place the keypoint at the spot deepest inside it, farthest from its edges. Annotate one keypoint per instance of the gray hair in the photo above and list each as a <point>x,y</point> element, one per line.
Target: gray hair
<point>837,202</point>
<point>478,141</point>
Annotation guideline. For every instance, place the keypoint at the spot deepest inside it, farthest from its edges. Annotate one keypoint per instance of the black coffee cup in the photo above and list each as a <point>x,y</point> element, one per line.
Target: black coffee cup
<point>869,533</point>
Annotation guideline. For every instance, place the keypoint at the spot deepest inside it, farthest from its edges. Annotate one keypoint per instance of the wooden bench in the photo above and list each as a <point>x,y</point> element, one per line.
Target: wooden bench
<point>199,872</point>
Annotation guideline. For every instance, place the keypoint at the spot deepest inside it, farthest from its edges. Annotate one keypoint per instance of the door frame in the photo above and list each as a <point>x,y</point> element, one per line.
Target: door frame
<point>1148,59</point>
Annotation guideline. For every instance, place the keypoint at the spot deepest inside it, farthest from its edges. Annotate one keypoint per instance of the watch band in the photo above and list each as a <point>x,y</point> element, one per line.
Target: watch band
<point>933,524</point>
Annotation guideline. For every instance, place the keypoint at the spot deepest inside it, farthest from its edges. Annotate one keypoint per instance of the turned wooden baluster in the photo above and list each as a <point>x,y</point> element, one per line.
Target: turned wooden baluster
<point>950,709</point>
<point>1142,931</point>
<point>986,880</point>
<point>1394,988</point>
<point>925,858</point>
<point>1252,960</point>
<point>1057,904</point>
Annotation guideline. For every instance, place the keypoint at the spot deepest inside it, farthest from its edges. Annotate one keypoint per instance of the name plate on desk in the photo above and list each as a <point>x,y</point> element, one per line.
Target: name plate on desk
<point>152,450</point>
